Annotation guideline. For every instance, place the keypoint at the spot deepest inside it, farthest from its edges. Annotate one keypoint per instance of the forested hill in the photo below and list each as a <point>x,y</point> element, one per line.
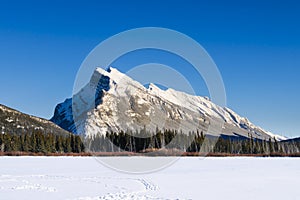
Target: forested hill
<point>26,133</point>
<point>15,122</point>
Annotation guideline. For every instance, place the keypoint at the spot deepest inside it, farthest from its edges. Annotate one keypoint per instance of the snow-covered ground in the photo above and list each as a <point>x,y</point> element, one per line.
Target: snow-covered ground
<point>188,178</point>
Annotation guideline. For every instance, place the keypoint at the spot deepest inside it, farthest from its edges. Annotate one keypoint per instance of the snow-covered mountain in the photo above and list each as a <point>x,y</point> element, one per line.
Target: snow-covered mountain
<point>112,101</point>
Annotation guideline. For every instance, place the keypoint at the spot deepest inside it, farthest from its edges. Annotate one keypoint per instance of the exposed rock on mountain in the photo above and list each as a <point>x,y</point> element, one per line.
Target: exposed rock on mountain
<point>112,101</point>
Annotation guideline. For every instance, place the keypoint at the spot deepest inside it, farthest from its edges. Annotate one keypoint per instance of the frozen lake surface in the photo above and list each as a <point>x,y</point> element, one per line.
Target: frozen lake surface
<point>188,178</point>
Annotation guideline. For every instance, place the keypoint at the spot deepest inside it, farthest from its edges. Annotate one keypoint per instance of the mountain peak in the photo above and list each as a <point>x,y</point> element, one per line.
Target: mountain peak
<point>123,103</point>
<point>115,76</point>
<point>111,72</point>
<point>153,89</point>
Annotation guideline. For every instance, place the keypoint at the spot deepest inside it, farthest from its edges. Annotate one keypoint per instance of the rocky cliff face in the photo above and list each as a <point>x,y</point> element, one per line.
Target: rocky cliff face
<point>112,101</point>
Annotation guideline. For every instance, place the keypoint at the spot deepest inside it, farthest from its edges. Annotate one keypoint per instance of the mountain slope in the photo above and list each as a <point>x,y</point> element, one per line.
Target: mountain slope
<point>112,101</point>
<point>13,121</point>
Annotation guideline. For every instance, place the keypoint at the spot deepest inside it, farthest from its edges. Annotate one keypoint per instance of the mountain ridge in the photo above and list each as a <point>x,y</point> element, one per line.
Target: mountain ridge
<point>112,101</point>
<point>14,121</point>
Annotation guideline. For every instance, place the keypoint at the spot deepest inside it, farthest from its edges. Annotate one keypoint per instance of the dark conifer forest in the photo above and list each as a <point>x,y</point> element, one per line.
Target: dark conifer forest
<point>143,141</point>
<point>38,142</point>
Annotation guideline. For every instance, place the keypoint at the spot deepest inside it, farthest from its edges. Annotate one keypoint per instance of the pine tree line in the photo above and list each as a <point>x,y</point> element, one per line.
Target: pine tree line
<point>254,146</point>
<point>141,141</point>
<point>39,142</point>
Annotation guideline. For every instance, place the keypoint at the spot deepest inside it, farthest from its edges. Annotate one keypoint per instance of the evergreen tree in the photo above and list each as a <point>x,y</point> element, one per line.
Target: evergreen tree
<point>67,144</point>
<point>59,144</point>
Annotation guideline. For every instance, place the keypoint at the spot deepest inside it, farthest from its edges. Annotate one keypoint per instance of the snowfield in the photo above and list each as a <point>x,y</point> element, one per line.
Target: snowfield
<point>188,178</point>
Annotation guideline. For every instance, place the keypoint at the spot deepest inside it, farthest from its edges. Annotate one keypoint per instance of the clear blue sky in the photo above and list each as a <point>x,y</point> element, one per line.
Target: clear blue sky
<point>255,44</point>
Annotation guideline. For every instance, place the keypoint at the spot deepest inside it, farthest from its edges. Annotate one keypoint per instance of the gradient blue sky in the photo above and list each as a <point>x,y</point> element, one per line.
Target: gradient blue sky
<point>255,44</point>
